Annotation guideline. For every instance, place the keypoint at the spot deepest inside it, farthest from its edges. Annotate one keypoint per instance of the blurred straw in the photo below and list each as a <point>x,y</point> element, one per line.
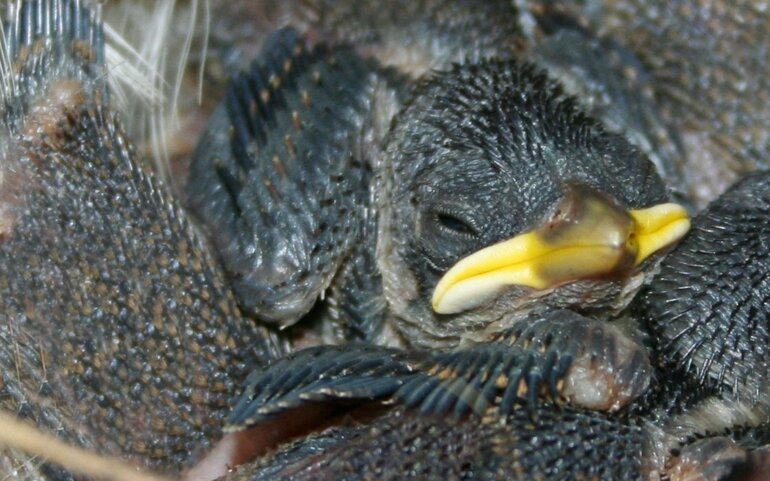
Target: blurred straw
<point>18,435</point>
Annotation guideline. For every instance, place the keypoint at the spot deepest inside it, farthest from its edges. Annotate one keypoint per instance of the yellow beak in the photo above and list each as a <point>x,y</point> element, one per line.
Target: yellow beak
<point>590,237</point>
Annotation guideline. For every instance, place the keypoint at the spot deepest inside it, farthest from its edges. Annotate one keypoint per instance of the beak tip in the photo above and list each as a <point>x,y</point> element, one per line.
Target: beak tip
<point>667,225</point>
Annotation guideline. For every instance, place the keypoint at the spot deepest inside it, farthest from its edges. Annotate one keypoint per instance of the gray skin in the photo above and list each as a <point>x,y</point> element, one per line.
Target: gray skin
<point>461,168</point>
<point>67,210</point>
<point>295,214</point>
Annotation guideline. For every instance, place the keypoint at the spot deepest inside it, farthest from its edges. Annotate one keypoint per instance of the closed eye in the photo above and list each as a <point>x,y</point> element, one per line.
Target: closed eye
<point>455,224</point>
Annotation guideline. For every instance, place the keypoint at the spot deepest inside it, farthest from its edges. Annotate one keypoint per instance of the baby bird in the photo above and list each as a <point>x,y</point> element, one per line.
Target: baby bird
<point>327,174</point>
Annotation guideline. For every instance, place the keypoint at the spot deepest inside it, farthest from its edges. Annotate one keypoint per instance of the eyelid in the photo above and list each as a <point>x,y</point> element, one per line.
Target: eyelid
<point>460,216</point>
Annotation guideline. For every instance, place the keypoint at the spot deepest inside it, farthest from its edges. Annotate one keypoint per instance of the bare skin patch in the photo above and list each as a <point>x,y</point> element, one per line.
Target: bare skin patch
<point>238,448</point>
<point>708,460</point>
<point>759,465</point>
<point>609,372</point>
<point>46,115</point>
<point>40,131</point>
